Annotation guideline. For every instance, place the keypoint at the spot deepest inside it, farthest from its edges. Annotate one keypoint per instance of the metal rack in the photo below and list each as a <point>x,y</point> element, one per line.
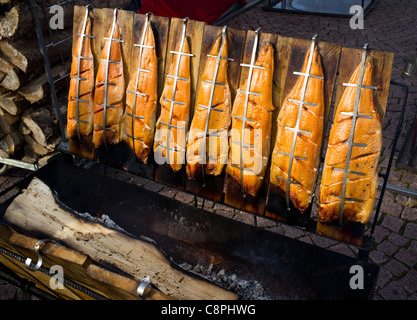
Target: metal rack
<point>209,107</point>
<point>136,92</point>
<point>242,144</point>
<point>172,101</point>
<point>297,129</point>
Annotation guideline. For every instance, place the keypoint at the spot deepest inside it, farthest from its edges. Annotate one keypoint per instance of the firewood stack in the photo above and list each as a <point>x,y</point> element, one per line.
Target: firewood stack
<point>28,128</point>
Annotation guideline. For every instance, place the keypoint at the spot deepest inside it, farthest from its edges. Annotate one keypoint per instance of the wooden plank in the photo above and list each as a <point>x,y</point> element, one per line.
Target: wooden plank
<point>382,63</point>
<point>212,187</point>
<point>194,32</point>
<point>234,196</point>
<point>293,54</point>
<point>37,212</point>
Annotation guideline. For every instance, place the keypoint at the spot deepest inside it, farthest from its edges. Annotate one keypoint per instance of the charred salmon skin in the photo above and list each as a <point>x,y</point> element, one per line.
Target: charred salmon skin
<point>212,116</point>
<point>306,144</point>
<point>362,176</point>
<point>109,91</point>
<point>81,90</point>
<point>141,99</point>
<point>170,134</point>
<point>248,155</point>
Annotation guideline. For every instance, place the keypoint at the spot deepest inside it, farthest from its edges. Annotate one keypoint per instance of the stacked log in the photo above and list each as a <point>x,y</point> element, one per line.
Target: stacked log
<point>28,128</point>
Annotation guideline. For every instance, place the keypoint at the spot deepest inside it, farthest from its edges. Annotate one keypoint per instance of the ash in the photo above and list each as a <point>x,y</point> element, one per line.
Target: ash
<point>246,289</point>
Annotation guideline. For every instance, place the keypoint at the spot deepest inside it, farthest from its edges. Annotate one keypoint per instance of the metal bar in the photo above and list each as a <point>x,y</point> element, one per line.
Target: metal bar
<point>47,66</point>
<point>138,69</point>
<point>177,68</point>
<point>213,87</point>
<point>107,77</point>
<point>251,66</point>
<point>296,129</point>
<point>391,158</point>
<point>303,102</point>
<point>20,164</point>
<point>352,133</point>
<point>362,87</point>
<point>308,75</point>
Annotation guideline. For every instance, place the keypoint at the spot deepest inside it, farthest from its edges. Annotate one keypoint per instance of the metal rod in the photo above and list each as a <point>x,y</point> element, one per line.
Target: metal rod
<point>177,68</point>
<point>352,133</point>
<point>107,76</point>
<point>77,115</point>
<point>141,46</point>
<point>391,158</point>
<point>251,66</point>
<point>47,66</point>
<point>213,86</point>
<point>296,129</point>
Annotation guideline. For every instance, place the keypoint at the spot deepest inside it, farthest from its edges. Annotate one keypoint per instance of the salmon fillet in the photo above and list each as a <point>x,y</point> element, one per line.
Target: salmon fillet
<point>307,143</point>
<point>107,119</point>
<point>218,97</point>
<point>141,97</point>
<point>362,180</point>
<point>175,102</point>
<point>82,76</point>
<point>257,128</point>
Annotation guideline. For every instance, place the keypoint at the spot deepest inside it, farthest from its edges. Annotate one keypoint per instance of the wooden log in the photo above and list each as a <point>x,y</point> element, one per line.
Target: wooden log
<point>37,212</point>
<point>36,147</point>
<point>8,122</point>
<point>13,103</point>
<point>12,142</point>
<point>25,53</point>
<point>38,89</point>
<point>40,122</point>
<point>30,155</point>
<point>5,65</point>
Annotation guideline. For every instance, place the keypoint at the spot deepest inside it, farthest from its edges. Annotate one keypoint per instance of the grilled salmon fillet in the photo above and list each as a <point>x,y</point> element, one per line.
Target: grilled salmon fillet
<point>80,115</point>
<point>362,180</point>
<point>175,104</point>
<point>214,91</point>
<point>253,157</point>
<point>107,119</point>
<point>307,143</point>
<point>141,97</point>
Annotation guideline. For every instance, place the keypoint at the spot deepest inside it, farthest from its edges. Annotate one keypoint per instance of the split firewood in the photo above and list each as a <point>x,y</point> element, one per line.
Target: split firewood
<point>37,148</point>
<point>40,122</point>
<point>38,89</point>
<point>13,103</point>
<point>5,65</point>
<point>12,142</point>
<point>25,53</point>
<point>8,122</point>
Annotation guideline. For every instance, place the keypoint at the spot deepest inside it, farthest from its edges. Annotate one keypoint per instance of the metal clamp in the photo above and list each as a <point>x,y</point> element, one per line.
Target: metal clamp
<point>106,83</point>
<point>139,70</point>
<point>79,57</point>
<point>213,82</point>
<point>38,265</point>
<point>172,100</point>
<point>297,129</point>
<point>350,142</point>
<point>251,66</point>
<point>141,288</point>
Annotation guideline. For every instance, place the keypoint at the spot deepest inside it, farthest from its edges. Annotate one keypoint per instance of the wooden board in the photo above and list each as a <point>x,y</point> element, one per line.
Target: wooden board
<point>295,52</point>
<point>194,33</point>
<point>37,212</point>
<point>209,186</point>
<point>234,196</point>
<point>349,60</point>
